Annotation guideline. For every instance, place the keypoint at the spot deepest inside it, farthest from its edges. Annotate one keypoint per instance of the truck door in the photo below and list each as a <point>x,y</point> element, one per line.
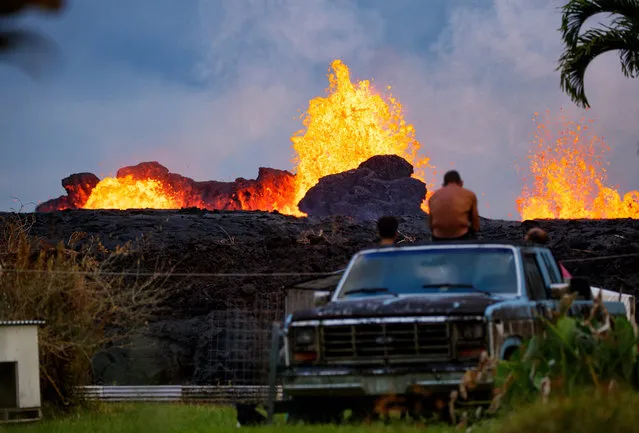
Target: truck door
<point>537,288</point>
<point>550,268</point>
<point>552,275</point>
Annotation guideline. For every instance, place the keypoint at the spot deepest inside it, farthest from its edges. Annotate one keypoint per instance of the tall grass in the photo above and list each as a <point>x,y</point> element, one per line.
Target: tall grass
<point>584,411</point>
<point>66,285</point>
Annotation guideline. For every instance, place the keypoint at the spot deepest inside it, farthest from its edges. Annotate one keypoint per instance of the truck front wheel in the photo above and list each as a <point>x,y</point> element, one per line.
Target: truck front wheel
<point>510,352</point>
<point>313,411</point>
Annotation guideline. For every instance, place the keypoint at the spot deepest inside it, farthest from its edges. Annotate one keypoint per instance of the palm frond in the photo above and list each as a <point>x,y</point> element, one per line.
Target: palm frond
<point>594,42</point>
<point>576,12</point>
<point>630,63</point>
<point>629,57</point>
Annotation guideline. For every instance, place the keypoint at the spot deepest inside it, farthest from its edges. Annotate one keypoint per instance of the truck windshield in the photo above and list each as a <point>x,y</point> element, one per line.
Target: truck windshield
<point>433,270</point>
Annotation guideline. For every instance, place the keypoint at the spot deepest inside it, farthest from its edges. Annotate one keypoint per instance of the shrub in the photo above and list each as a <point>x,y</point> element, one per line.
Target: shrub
<point>69,286</point>
<point>578,375</point>
<point>597,352</point>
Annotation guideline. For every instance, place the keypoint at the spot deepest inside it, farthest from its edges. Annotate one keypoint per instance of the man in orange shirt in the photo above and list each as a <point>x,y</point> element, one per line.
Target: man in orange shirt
<point>453,210</point>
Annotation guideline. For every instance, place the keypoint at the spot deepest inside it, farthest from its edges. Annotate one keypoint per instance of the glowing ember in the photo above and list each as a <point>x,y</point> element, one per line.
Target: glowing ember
<point>347,127</point>
<point>128,193</point>
<point>570,177</point>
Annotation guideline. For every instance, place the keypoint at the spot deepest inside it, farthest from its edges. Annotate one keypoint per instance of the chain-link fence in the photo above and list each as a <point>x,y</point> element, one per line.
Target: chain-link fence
<point>239,351</point>
<point>221,353</point>
<point>239,344</point>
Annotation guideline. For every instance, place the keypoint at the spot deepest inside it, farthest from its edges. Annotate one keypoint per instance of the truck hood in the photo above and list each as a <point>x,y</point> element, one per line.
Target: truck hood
<point>387,306</point>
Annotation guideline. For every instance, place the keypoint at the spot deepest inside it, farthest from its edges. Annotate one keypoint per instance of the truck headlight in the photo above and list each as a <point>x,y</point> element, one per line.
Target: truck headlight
<point>304,336</point>
<point>471,340</point>
<point>303,341</point>
<point>471,331</point>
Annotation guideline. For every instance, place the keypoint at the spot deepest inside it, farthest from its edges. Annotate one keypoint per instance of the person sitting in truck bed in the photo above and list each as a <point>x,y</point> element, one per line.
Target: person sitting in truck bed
<point>387,230</point>
<point>453,210</point>
<point>539,236</point>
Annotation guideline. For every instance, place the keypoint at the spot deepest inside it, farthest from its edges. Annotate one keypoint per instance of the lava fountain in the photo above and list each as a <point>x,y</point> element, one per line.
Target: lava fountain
<point>350,125</point>
<point>569,178</point>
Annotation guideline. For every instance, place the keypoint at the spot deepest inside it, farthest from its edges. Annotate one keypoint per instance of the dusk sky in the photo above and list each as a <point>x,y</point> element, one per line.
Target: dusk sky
<point>211,88</point>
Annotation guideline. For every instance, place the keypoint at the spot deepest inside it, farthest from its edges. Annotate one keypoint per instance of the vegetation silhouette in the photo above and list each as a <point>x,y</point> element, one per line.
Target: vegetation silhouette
<point>580,50</point>
<point>24,41</point>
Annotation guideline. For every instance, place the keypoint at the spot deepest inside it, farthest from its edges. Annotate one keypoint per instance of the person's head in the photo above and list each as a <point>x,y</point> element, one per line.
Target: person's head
<point>453,177</point>
<point>387,228</point>
<point>537,236</point>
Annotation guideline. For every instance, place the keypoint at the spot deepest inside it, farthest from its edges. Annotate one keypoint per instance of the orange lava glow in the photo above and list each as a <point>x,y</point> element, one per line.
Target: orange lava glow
<point>128,193</point>
<point>351,124</point>
<point>569,176</point>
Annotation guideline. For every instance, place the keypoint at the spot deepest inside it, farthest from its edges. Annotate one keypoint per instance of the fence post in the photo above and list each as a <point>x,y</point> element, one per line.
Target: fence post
<point>272,373</point>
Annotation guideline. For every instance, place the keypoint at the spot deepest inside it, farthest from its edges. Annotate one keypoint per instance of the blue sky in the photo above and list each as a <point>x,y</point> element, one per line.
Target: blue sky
<point>212,88</point>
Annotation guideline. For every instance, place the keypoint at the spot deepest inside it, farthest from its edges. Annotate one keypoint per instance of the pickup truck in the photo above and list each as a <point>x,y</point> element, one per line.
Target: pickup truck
<point>417,317</point>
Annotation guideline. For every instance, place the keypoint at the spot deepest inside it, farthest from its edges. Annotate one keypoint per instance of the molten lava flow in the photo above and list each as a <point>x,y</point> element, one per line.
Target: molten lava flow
<point>128,193</point>
<point>570,177</point>
<point>347,127</point>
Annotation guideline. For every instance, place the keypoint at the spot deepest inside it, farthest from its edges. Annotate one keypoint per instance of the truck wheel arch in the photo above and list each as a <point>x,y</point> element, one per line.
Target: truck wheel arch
<point>510,345</point>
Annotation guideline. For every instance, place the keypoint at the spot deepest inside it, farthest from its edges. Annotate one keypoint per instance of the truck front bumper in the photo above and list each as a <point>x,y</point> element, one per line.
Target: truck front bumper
<point>346,381</point>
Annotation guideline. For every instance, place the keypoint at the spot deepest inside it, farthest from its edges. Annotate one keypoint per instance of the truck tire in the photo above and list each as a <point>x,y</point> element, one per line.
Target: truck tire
<point>510,352</point>
<point>312,411</point>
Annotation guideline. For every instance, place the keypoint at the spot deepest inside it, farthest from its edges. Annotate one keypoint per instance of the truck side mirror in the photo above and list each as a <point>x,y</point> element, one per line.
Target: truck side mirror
<point>581,285</point>
<point>321,298</point>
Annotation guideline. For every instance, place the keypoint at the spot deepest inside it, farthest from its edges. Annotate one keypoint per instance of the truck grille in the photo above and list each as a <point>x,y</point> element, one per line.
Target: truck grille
<point>385,341</point>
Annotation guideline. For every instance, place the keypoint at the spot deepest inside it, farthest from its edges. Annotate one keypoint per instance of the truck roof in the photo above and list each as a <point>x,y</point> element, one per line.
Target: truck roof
<point>478,242</point>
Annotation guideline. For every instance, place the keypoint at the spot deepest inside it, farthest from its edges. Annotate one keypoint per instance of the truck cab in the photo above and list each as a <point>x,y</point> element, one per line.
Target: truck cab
<point>420,316</point>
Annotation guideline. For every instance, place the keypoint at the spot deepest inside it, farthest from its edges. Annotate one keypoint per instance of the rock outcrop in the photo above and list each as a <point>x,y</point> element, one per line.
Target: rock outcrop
<point>381,185</point>
<point>78,187</point>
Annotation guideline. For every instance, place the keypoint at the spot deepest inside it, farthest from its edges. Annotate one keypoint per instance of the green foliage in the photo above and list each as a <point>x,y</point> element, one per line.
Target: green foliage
<point>580,50</point>
<point>571,355</point>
